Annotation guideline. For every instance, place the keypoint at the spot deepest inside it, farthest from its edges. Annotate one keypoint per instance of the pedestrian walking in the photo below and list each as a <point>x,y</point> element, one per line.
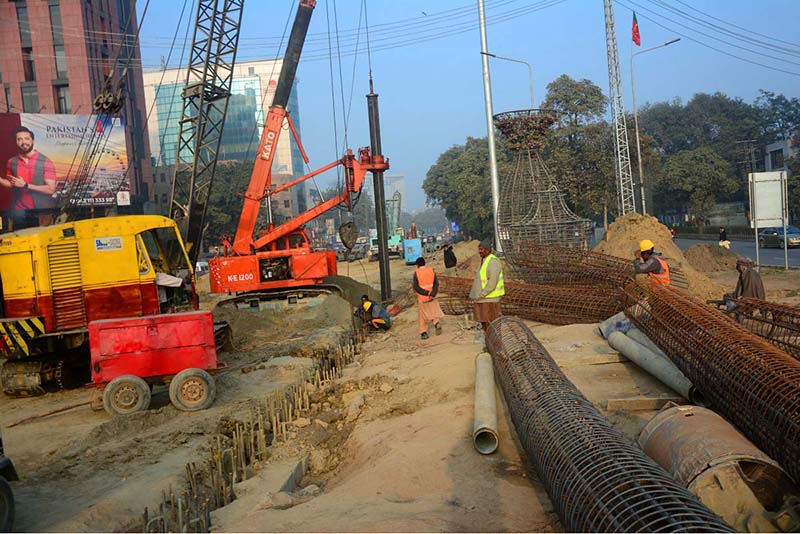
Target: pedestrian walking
<point>488,287</point>
<point>450,261</point>
<point>426,286</point>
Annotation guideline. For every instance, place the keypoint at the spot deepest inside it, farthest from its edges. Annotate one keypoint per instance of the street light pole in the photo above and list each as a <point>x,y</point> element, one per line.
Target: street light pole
<point>487,93</point>
<point>636,120</point>
<point>530,70</point>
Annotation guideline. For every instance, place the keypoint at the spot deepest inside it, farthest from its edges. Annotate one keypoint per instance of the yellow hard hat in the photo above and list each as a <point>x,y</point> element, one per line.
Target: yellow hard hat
<point>366,305</point>
<point>646,245</point>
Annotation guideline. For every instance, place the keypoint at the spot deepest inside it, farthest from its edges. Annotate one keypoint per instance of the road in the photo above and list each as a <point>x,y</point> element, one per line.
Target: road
<point>769,256</point>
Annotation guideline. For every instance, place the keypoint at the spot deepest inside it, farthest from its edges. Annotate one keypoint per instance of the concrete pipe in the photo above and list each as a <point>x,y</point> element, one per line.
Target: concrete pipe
<point>729,474</point>
<point>695,396</point>
<point>616,323</point>
<point>642,339</point>
<point>660,367</point>
<point>484,431</point>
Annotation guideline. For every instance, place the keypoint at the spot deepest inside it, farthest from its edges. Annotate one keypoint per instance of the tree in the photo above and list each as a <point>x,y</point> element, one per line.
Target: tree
<point>780,115</point>
<point>459,183</point>
<point>226,201</point>
<point>698,178</point>
<point>577,103</point>
<point>793,181</point>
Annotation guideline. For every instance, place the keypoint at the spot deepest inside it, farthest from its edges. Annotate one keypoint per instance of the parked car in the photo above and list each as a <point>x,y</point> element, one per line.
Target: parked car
<point>773,237</point>
<point>7,472</point>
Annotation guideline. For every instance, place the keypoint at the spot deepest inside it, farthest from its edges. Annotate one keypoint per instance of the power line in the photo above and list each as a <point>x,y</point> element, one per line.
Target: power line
<point>796,45</point>
<point>729,33</point>
<point>706,45</point>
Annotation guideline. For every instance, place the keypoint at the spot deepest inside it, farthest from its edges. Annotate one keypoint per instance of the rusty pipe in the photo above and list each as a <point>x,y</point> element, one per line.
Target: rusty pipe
<point>717,463</point>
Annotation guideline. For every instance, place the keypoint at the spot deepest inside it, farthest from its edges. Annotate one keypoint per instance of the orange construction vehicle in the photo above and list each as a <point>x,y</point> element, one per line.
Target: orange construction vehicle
<point>280,258</point>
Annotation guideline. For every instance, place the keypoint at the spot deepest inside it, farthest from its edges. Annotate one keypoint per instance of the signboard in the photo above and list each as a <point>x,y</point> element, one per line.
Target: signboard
<point>769,206</point>
<point>58,143</point>
<point>767,198</point>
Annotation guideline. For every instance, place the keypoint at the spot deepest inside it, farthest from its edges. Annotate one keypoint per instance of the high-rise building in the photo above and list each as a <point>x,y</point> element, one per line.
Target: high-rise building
<point>55,57</point>
<point>252,90</point>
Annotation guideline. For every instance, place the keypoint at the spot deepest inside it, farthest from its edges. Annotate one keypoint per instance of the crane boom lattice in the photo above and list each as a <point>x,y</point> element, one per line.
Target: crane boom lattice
<point>622,162</point>
<point>205,103</point>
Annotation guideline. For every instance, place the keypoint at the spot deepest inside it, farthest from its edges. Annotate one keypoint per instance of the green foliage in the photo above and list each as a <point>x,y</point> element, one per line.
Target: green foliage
<point>780,115</point>
<point>577,102</point>
<point>793,182</point>
<point>226,201</point>
<point>459,183</point>
<point>697,178</point>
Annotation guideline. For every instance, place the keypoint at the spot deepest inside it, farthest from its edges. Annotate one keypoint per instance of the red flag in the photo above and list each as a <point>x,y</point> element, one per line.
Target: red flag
<point>635,31</point>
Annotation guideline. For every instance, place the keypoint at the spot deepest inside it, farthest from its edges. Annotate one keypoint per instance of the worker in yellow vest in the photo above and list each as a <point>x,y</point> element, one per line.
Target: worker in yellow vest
<point>650,263</point>
<point>426,286</point>
<point>488,286</point>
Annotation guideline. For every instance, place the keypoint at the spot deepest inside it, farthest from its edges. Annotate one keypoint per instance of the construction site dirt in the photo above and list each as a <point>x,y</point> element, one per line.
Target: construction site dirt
<point>385,446</point>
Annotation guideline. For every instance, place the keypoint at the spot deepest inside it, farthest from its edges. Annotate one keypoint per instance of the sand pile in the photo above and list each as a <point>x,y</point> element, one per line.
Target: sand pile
<point>709,258</point>
<point>622,241</point>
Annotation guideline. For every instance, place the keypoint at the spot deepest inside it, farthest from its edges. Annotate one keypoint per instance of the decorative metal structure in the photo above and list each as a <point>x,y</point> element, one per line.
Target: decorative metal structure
<point>205,104</point>
<point>622,162</point>
<point>597,479</point>
<point>532,208</point>
<point>546,304</point>
<point>749,381</point>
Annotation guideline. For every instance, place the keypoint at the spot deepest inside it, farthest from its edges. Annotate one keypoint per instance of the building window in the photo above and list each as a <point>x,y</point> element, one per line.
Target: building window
<point>287,203</point>
<point>163,177</point>
<point>27,65</point>
<point>164,198</point>
<point>30,99</point>
<point>8,99</point>
<point>251,71</point>
<point>61,62</point>
<point>24,25</point>
<point>776,159</point>
<point>62,99</point>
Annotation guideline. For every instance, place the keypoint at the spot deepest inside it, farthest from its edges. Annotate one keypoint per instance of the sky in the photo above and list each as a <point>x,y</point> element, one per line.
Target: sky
<point>426,61</point>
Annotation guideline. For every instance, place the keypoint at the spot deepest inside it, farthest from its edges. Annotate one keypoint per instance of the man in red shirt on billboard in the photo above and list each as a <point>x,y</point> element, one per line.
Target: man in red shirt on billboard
<point>30,175</point>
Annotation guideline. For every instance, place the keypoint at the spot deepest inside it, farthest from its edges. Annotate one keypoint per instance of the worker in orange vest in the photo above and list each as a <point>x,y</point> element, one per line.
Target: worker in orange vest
<point>426,286</point>
<point>650,263</point>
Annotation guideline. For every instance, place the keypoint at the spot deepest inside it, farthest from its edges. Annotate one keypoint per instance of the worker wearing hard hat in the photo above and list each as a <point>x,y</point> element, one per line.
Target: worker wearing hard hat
<point>374,315</point>
<point>650,263</point>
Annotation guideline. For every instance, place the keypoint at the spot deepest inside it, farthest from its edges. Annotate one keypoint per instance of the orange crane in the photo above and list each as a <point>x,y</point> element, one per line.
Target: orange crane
<point>279,258</point>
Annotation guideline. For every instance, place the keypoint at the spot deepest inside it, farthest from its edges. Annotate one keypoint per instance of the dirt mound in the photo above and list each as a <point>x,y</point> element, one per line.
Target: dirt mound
<point>622,240</point>
<point>711,258</point>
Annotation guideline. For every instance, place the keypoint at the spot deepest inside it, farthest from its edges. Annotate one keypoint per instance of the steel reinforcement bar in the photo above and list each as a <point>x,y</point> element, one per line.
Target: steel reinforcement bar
<point>535,263</point>
<point>597,479</point>
<point>777,323</point>
<point>546,304</point>
<point>754,384</point>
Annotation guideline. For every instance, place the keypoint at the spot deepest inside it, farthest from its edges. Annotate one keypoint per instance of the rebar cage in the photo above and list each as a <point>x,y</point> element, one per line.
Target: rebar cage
<point>597,479</point>
<point>754,384</point>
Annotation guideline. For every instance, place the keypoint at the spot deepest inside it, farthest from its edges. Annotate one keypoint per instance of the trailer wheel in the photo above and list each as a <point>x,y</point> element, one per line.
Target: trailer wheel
<point>192,390</point>
<point>125,395</point>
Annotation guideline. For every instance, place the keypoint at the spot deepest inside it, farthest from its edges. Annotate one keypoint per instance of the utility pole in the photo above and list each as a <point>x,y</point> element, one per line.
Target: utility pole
<point>530,70</point>
<point>625,194</point>
<point>487,93</point>
<point>380,195</point>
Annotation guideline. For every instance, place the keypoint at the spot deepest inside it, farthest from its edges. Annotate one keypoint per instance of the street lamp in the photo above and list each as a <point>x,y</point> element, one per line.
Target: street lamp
<point>636,118</point>
<point>530,70</point>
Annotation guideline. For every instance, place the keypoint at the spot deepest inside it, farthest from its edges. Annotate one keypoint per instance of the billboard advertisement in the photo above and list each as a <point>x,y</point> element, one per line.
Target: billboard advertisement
<point>40,156</point>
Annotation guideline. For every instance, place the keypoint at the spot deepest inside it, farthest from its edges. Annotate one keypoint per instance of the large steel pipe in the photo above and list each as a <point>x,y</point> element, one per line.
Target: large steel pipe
<point>597,479</point>
<point>751,382</point>
<point>484,430</point>
<point>660,367</point>
<point>717,463</point>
